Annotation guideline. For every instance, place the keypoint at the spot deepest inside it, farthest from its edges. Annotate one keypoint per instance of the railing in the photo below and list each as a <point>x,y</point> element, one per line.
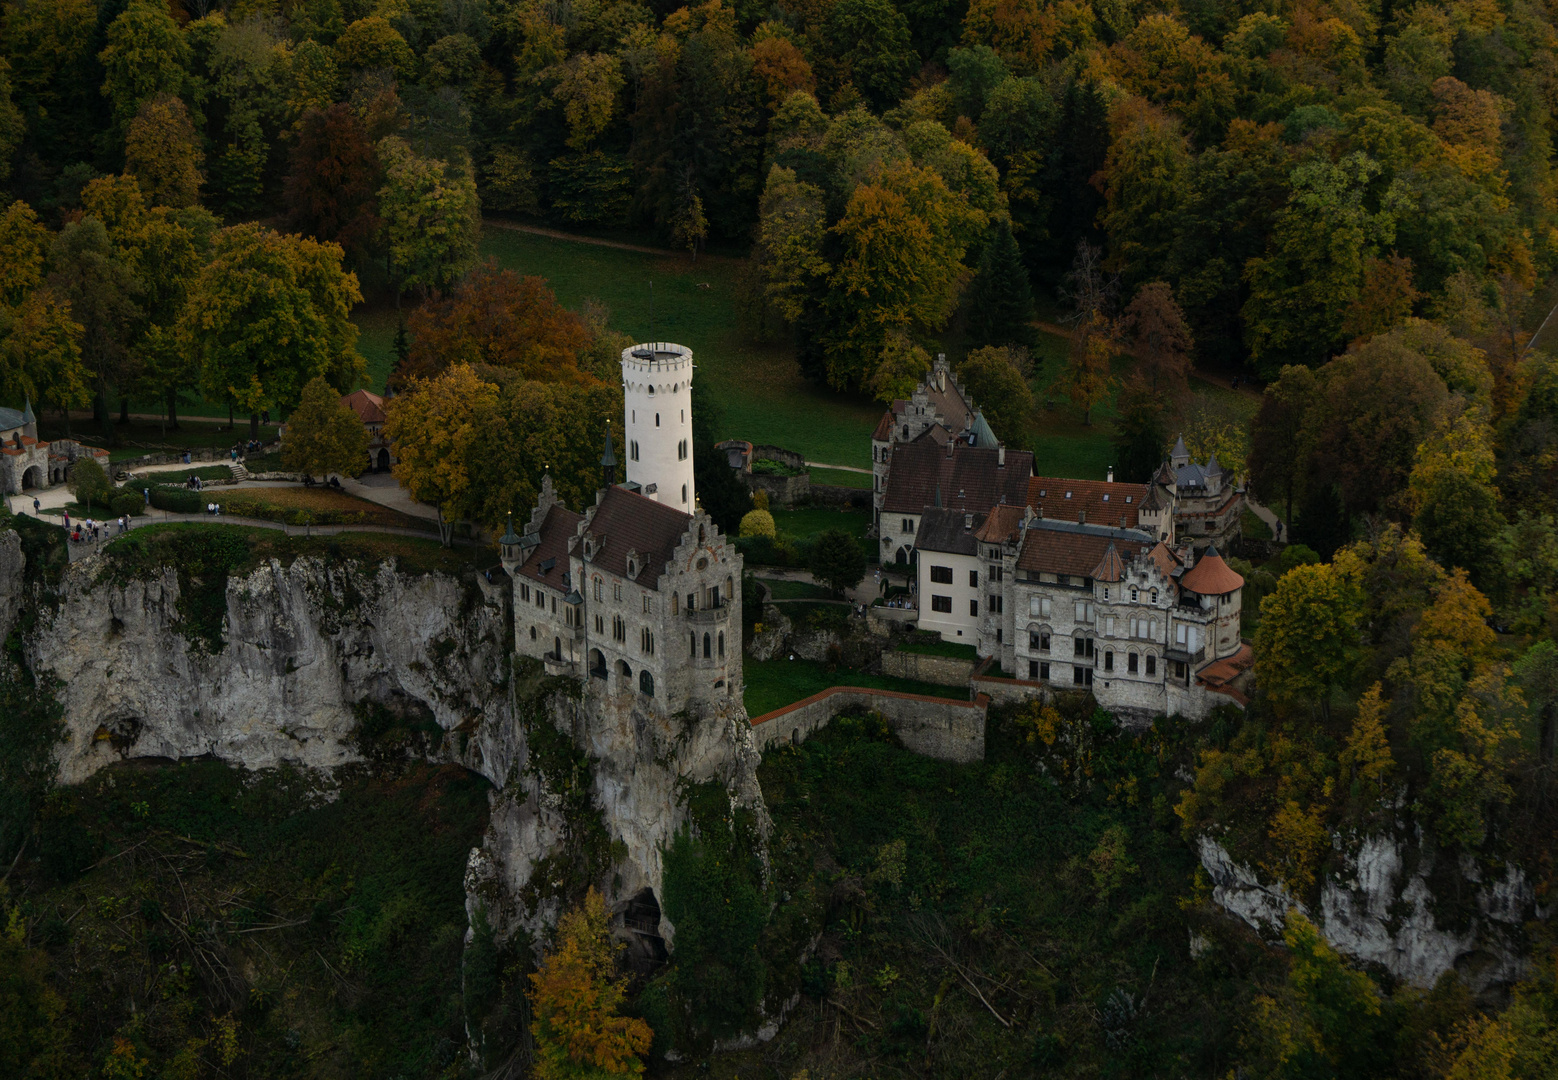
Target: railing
<point>1185,656</point>
<point>709,616</point>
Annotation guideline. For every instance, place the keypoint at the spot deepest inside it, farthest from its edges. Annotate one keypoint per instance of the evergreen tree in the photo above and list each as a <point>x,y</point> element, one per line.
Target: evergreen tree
<point>1140,432</point>
<point>720,491</point>
<point>1001,301</point>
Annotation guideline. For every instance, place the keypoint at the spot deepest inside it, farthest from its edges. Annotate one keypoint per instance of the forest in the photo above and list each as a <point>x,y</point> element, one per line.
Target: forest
<point>1347,205</point>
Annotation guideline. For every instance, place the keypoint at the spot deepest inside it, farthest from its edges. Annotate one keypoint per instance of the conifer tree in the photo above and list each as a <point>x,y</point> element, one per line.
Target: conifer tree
<point>1001,299</point>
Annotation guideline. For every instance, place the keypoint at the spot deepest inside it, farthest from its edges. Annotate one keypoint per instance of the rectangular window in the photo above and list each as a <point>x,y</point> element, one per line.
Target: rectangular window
<point>941,575</point>
<point>973,608</point>
<point>1108,659</point>
<point>973,579</point>
<point>941,603</point>
<point>1108,626</point>
<point>646,604</point>
<point>1152,664</point>
<point>1078,646</point>
<point>616,590</point>
<point>1079,675</point>
<point>1033,669</point>
<point>1044,607</point>
<point>1044,672</point>
<point>1033,607</point>
<point>1130,663</point>
<point>524,592</point>
<point>597,589</point>
<point>997,574</point>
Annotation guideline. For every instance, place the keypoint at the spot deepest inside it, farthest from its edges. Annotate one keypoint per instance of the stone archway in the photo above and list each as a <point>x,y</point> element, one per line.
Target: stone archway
<point>383,464</point>
<point>32,477</point>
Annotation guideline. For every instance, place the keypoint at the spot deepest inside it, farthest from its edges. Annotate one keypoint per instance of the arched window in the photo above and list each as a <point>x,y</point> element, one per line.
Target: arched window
<point>1133,595</point>
<point>692,648</point>
<point>684,416</point>
<point>623,670</point>
<point>597,664</point>
<point>700,527</point>
<point>557,647</point>
<point>722,644</point>
<point>646,683</point>
<point>684,493</point>
<point>1108,659</point>
<point>532,633</point>
<point>1130,663</point>
<point>707,655</point>
<point>657,416</point>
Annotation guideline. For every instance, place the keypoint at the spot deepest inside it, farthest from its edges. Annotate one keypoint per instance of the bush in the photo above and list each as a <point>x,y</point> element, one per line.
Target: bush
<point>131,503</point>
<point>178,500</point>
<point>758,523</point>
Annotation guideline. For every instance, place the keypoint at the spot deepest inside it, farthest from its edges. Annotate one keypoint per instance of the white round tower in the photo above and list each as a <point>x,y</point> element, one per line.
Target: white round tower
<point>657,422</point>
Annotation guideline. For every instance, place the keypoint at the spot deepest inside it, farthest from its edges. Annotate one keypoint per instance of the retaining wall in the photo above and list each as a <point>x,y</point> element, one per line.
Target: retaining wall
<point>935,727</point>
<point>942,670</point>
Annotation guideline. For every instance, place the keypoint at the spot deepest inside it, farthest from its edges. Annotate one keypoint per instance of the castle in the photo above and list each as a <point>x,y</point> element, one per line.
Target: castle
<point>615,591</point>
<point>1114,587</point>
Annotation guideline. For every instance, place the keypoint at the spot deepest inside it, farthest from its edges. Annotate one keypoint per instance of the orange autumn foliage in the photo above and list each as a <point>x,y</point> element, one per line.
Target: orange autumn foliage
<point>574,1001</point>
<point>782,68</point>
<point>497,318</point>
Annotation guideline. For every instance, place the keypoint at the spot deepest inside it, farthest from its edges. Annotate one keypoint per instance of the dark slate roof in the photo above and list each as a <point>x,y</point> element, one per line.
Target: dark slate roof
<point>1103,502</point>
<point>955,532</point>
<point>1063,547</point>
<point>10,418</point>
<point>626,521</point>
<point>969,476</point>
<point>552,552</point>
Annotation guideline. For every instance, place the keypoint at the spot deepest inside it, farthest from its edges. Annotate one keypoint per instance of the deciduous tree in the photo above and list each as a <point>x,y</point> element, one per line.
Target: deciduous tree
<point>266,315</point>
<point>24,245</point>
<point>899,369</point>
<point>497,318</point>
<point>431,218</point>
<point>1307,643</point>
<point>435,426</point>
<point>575,999</point>
<point>837,561</point>
<point>40,353</point>
<point>997,380</point>
<point>324,436</point>
<point>86,271</point>
<point>146,57</point>
<point>1156,331</point>
<point>162,151</point>
<point>333,184</point>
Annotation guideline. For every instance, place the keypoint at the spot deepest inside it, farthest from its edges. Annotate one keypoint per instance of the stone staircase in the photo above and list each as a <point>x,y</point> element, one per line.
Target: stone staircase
<point>240,474</point>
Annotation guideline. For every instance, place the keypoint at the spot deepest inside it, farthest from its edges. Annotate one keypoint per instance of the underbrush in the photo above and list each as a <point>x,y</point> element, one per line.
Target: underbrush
<point>197,919</point>
<point>291,506</point>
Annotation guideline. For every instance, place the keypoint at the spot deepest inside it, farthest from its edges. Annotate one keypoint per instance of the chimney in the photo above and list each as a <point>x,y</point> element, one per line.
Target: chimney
<point>1038,511</point>
<point>1111,474</point>
<point>1000,459</point>
<point>950,443</point>
<point>1081,517</point>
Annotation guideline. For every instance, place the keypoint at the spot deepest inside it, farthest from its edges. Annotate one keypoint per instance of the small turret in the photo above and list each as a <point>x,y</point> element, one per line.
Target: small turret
<point>509,544</point>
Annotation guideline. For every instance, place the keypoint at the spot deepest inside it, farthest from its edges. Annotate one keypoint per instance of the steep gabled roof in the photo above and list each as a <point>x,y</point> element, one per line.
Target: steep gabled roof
<point>1001,525</point>
<point>552,553</point>
<point>10,418</point>
<point>1101,501</point>
<point>884,428</point>
<point>626,521</point>
<point>1109,568</point>
<point>971,477</point>
<point>368,406</point>
<point>952,531</point>
<point>1061,547</point>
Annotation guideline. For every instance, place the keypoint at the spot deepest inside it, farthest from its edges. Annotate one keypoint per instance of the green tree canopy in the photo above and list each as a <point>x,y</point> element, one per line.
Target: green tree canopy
<point>324,436</point>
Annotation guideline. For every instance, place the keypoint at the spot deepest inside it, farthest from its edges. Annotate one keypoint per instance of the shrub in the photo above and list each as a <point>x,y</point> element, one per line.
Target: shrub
<point>758,523</point>
<point>128,502</point>
<point>177,500</point>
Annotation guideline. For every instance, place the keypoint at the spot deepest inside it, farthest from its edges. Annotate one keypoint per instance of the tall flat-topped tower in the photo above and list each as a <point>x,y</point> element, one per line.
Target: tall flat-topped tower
<point>657,422</point>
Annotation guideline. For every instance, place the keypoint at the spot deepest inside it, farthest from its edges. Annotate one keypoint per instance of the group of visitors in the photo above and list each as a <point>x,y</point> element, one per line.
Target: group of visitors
<point>89,531</point>
<point>193,483</point>
<point>214,509</point>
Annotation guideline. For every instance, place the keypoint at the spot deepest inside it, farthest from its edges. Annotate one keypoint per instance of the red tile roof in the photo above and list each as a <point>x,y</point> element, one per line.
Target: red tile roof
<point>884,428</point>
<point>1077,551</point>
<point>1109,568</point>
<point>970,478</point>
<point>368,406</point>
<point>1103,503</point>
<point>623,521</point>
<point>1210,575</point>
<point>1001,525</point>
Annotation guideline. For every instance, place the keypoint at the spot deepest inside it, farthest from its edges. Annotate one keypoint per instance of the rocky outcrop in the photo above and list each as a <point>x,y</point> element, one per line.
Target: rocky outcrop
<point>1378,908</point>
<point>12,564</point>
<point>305,645</point>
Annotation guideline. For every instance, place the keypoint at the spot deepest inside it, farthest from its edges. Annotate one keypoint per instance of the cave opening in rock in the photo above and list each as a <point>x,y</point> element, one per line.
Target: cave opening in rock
<point>640,930</point>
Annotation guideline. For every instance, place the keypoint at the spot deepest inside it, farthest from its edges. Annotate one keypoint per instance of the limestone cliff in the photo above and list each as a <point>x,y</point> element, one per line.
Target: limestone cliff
<point>12,563</point>
<point>1378,907</point>
<point>586,780</point>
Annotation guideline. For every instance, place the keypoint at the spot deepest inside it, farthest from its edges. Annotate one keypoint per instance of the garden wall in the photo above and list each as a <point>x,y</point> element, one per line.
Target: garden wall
<point>942,670</point>
<point>835,495</point>
<point>1004,691</point>
<point>935,727</point>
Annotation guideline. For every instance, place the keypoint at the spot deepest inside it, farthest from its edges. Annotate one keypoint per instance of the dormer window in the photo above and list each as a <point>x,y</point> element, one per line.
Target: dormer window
<point>632,568</point>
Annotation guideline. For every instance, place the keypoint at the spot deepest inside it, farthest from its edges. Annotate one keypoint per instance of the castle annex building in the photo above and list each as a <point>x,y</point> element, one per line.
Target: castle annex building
<point>27,464</point>
<point>640,591</point>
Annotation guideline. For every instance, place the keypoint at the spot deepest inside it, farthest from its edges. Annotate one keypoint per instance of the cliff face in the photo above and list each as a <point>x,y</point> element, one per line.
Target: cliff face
<point>12,563</point>
<point>1380,909</point>
<point>308,647</point>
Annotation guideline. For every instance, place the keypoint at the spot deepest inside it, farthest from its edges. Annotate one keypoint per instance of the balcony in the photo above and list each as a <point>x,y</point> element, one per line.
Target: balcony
<point>1185,657</point>
<point>719,615</point>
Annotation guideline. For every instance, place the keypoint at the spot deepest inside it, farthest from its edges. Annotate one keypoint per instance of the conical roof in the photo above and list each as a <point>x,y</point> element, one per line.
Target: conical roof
<point>27,416</point>
<point>1109,568</point>
<point>1180,450</point>
<point>509,537</point>
<point>1210,575</point>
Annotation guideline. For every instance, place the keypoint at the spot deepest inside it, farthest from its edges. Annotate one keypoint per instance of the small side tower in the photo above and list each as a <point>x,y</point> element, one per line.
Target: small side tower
<point>657,422</point>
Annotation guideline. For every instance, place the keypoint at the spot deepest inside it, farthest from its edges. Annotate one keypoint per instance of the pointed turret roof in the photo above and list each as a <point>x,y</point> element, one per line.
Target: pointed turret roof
<point>1109,568</point>
<point>1211,575</point>
<point>1180,450</point>
<point>510,537</point>
<point>27,416</point>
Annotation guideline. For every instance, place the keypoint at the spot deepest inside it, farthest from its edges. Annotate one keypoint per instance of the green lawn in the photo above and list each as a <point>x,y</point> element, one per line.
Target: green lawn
<point>773,684</point>
<point>940,648</point>
<point>795,590</point>
<point>808,521</point>
<point>759,389</point>
<point>142,437</point>
<point>840,478</point>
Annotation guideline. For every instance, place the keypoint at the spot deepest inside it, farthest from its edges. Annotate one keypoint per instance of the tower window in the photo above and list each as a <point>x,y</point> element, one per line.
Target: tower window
<point>684,493</point>
<point>684,416</point>
<point>657,419</point>
<point>633,450</point>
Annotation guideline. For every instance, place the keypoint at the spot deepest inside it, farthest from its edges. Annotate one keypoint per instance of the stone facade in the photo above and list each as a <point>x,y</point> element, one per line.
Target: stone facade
<point>1208,506</point>
<point>27,464</point>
